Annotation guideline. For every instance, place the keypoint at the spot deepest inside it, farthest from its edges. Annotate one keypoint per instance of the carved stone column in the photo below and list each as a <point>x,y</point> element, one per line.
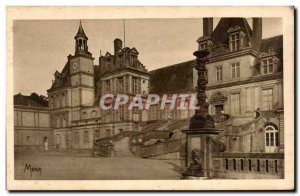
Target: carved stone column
<point>202,127</point>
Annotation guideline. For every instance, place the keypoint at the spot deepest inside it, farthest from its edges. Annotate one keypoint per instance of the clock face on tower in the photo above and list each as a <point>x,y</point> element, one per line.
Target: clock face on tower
<point>74,66</point>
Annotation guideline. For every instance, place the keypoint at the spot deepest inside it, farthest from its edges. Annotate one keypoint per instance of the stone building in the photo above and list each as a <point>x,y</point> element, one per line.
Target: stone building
<point>245,77</point>
<point>122,73</point>
<point>74,96</point>
<point>74,117</point>
<point>245,89</point>
<point>32,129</point>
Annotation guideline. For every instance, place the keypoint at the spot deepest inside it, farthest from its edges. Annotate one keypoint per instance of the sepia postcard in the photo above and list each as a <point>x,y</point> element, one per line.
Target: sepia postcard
<point>150,98</point>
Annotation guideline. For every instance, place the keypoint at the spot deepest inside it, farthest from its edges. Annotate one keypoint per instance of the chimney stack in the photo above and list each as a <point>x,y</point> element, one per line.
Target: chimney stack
<point>207,26</point>
<point>117,45</point>
<point>257,33</point>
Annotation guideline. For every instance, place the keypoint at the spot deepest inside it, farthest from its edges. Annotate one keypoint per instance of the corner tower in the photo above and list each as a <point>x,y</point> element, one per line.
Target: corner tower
<point>82,72</point>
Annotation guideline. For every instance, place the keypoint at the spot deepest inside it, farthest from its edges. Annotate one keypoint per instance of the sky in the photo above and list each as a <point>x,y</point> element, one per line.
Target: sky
<point>41,46</point>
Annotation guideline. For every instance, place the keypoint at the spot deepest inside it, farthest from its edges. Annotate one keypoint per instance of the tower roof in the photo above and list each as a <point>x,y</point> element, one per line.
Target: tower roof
<point>219,34</point>
<point>80,32</point>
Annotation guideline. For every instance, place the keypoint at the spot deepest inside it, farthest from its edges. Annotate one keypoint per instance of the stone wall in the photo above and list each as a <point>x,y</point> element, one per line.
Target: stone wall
<point>32,128</point>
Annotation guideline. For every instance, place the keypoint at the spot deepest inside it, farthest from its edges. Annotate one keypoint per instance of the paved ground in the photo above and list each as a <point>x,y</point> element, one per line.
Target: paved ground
<point>64,167</point>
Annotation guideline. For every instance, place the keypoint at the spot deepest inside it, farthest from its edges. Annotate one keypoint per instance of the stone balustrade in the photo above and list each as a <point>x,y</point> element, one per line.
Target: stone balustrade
<point>248,165</point>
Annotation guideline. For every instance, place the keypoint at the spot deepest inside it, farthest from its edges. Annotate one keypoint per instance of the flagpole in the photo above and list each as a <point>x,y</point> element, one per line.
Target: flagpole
<point>124,32</point>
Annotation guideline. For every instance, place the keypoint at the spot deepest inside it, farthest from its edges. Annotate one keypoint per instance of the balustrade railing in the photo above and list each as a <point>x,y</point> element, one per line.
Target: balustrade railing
<point>248,165</point>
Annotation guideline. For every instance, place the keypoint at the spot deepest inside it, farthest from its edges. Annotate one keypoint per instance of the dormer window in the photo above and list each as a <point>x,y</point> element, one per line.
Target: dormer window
<point>270,50</point>
<point>133,60</point>
<point>234,42</point>
<point>121,59</point>
<point>204,43</point>
<point>203,46</point>
<point>108,61</point>
<point>267,66</point>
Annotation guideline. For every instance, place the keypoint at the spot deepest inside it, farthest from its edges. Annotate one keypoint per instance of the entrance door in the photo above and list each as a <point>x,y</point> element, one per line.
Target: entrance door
<point>58,141</point>
<point>272,139</point>
<point>46,143</point>
<point>219,108</point>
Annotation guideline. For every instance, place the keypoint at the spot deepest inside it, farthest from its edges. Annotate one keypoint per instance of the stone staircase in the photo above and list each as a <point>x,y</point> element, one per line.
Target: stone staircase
<point>116,145</point>
<point>238,128</point>
<point>122,148</point>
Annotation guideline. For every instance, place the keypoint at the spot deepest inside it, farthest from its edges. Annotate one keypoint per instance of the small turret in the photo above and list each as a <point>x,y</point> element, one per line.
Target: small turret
<point>81,41</point>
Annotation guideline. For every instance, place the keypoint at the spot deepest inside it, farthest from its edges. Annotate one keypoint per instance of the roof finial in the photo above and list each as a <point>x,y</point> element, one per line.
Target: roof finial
<point>80,32</point>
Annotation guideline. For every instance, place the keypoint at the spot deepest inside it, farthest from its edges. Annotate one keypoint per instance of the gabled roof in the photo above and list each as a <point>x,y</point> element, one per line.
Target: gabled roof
<point>276,43</point>
<point>80,32</point>
<point>220,35</point>
<point>134,50</point>
<point>107,54</point>
<point>64,80</point>
<point>172,79</point>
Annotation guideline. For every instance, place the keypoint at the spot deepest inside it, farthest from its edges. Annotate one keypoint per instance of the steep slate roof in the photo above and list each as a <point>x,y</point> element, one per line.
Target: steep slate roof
<point>276,43</point>
<point>65,78</point>
<point>220,35</point>
<point>23,100</point>
<point>172,79</point>
<point>80,32</point>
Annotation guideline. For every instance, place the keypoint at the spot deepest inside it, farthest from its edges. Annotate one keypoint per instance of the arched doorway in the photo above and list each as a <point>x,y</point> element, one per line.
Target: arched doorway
<point>271,138</point>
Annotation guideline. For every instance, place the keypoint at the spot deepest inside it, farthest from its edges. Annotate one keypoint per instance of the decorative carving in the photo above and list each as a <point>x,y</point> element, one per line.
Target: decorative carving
<point>218,98</point>
<point>195,168</point>
<point>201,119</point>
<point>202,39</point>
<point>233,29</point>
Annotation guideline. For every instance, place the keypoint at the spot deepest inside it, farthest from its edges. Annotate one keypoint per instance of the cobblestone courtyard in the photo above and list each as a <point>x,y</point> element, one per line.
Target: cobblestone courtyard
<point>69,167</point>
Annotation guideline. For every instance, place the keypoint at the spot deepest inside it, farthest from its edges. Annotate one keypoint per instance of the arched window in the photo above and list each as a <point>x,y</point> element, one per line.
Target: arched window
<point>80,44</point>
<point>272,138</point>
<point>84,44</point>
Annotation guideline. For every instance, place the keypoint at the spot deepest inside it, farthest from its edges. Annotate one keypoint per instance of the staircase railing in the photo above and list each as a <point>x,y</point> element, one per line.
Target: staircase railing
<point>117,136</point>
<point>165,147</point>
<point>153,126</point>
<point>175,125</point>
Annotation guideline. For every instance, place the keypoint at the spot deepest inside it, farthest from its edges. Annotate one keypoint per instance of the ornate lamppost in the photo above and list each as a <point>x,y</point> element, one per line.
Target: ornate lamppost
<point>198,136</point>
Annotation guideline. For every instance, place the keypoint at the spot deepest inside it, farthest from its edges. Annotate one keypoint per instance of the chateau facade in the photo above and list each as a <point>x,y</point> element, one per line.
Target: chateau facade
<point>245,89</point>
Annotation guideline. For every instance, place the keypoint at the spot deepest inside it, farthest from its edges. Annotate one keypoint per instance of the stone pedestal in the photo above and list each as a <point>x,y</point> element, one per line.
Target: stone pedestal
<point>202,127</point>
<point>201,141</point>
